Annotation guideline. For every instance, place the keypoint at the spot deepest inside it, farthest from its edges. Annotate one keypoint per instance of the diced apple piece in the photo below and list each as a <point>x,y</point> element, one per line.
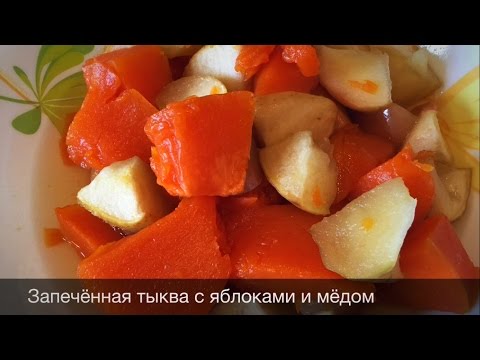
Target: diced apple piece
<point>173,51</point>
<point>125,194</point>
<point>280,115</point>
<point>187,86</point>
<point>218,61</point>
<point>412,78</point>
<point>342,117</point>
<point>452,188</point>
<point>301,172</point>
<point>358,79</point>
<point>426,136</point>
<point>363,240</point>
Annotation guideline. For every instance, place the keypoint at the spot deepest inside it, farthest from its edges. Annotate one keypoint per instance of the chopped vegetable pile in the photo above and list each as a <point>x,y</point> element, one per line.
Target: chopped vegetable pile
<point>264,162</point>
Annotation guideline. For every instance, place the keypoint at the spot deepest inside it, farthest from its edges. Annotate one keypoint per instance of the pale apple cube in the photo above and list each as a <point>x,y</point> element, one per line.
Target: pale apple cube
<point>280,115</point>
<point>363,240</point>
<point>125,194</point>
<point>188,86</point>
<point>358,79</point>
<point>218,61</point>
<point>302,171</point>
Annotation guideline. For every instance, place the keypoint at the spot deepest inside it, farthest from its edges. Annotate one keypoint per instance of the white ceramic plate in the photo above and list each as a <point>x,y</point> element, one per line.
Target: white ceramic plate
<point>34,179</point>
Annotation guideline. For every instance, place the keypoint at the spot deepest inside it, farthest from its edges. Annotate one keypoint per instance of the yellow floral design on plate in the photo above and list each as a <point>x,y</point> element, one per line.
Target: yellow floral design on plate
<point>458,113</point>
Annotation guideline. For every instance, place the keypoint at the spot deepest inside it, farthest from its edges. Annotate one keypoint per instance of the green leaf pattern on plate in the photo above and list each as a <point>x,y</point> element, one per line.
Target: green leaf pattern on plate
<point>63,63</point>
<point>21,74</point>
<point>28,122</point>
<point>58,101</point>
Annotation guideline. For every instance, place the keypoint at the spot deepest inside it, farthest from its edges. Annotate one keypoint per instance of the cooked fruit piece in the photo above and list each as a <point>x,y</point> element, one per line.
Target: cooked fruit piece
<point>342,116</point>
<point>358,79</point>
<point>348,47</point>
<point>302,172</point>
<point>393,123</point>
<point>272,242</point>
<point>432,250</point>
<point>185,244</point>
<point>173,51</point>
<point>356,153</point>
<point>83,230</point>
<point>305,56</point>
<point>143,68</point>
<point>280,115</point>
<point>251,58</point>
<point>218,61</point>
<point>203,144</point>
<point>426,136</point>
<point>363,240</point>
<point>417,178</point>
<point>412,78</point>
<point>188,86</point>
<point>452,188</point>
<point>109,125</point>
<point>104,132</point>
<point>278,76</point>
<point>125,194</point>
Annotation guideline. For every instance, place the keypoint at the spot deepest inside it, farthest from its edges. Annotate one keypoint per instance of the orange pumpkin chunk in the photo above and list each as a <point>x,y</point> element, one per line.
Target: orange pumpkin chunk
<point>202,145</point>
<point>185,244</point>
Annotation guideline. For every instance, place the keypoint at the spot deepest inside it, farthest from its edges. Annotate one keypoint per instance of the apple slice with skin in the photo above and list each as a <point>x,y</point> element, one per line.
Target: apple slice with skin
<point>358,79</point>
<point>452,188</point>
<point>302,172</point>
<point>427,136</point>
<point>279,115</point>
<point>363,240</point>
<point>412,78</point>
<point>393,123</point>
